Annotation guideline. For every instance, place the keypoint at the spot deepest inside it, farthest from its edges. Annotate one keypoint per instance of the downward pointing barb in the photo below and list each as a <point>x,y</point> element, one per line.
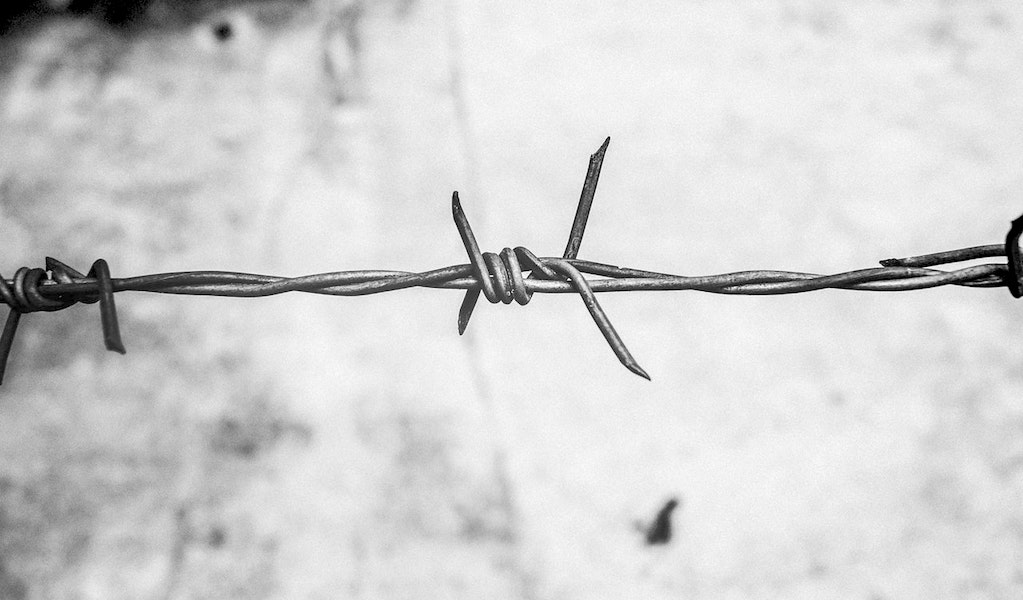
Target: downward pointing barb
<point>107,310</point>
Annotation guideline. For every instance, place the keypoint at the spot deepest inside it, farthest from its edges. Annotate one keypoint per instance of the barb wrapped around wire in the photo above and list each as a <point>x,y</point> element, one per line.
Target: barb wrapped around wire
<point>500,277</point>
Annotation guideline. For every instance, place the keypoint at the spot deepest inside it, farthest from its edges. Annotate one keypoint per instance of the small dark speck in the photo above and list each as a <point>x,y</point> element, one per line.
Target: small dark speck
<point>223,32</point>
<point>247,448</point>
<point>12,588</point>
<point>217,537</point>
<point>942,33</point>
<point>996,20</point>
<point>659,531</point>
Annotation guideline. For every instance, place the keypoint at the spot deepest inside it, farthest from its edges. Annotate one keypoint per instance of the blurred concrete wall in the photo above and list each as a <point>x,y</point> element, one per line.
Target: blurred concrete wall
<point>826,445</point>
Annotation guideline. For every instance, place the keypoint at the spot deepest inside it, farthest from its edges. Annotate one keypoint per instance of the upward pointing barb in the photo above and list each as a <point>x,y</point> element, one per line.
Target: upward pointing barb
<point>582,212</point>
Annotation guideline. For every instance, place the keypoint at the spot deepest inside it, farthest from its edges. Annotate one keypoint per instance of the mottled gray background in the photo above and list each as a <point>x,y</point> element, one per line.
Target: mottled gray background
<point>834,444</point>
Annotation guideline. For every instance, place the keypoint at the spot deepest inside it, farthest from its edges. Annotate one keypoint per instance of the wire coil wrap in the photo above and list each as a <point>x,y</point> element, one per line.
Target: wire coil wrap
<point>31,290</point>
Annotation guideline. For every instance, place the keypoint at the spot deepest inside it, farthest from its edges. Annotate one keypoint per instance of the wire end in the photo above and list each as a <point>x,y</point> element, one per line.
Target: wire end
<point>465,310</point>
<point>638,370</point>
<point>456,206</point>
<point>115,345</point>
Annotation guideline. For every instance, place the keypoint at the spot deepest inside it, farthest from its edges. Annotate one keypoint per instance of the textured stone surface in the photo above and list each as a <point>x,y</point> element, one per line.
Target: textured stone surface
<point>825,445</point>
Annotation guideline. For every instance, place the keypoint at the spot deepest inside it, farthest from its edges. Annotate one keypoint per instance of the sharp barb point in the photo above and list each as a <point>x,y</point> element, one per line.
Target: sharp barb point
<point>456,207</point>
<point>638,370</point>
<point>465,310</point>
<point>614,340</point>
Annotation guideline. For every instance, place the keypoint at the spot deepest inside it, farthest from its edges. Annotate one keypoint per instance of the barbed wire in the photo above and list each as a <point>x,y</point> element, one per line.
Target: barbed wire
<point>499,277</point>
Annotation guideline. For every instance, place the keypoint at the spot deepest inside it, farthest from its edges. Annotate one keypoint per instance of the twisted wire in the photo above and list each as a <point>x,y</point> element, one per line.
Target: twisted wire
<point>500,278</point>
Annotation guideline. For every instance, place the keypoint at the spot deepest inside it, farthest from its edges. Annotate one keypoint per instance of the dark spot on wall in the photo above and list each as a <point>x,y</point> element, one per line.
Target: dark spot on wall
<point>942,33</point>
<point>119,13</point>
<point>996,20</point>
<point>14,14</point>
<point>11,588</point>
<point>660,531</point>
<point>217,537</point>
<point>817,570</point>
<point>243,439</point>
<point>223,31</point>
<point>122,12</point>
<point>255,425</point>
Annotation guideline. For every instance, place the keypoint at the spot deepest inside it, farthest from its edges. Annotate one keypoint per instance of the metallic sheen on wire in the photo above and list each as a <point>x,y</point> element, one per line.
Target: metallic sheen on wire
<point>499,277</point>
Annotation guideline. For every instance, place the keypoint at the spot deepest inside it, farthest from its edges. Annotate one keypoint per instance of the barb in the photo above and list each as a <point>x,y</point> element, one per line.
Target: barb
<point>499,277</point>
<point>582,212</point>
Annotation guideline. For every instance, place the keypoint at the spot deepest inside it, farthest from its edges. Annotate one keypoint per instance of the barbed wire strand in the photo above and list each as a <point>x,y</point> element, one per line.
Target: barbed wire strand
<point>500,278</point>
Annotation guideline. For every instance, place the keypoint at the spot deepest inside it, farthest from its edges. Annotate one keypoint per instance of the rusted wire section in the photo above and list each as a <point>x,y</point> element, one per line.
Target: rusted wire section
<point>500,278</point>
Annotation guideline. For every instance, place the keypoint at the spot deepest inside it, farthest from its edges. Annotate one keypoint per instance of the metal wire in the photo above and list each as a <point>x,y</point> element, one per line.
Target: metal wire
<point>500,278</point>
